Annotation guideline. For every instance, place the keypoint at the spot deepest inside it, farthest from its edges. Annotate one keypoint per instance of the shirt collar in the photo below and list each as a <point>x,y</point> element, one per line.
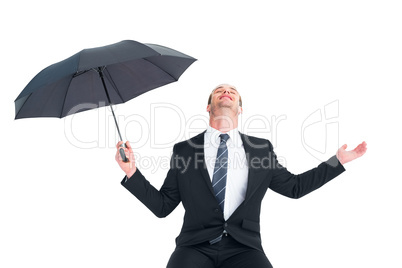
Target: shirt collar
<point>213,136</point>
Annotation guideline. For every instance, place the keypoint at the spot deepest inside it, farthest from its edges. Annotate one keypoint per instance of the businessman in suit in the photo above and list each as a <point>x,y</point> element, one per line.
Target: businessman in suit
<point>221,176</point>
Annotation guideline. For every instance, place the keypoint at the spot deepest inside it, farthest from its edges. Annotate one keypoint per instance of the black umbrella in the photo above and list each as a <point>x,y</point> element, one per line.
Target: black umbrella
<point>100,76</point>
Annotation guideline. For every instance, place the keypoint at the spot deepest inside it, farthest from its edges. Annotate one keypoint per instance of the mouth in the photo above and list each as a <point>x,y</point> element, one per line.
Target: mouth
<point>226,96</point>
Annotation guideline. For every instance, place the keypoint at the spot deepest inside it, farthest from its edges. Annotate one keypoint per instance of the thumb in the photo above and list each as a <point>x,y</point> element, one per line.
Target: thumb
<point>344,147</point>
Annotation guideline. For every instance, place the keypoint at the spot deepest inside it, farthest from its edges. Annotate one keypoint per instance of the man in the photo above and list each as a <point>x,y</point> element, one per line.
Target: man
<point>221,177</point>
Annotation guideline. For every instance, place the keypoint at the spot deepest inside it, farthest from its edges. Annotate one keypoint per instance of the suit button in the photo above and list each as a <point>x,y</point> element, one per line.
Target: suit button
<point>216,210</point>
<point>225,225</point>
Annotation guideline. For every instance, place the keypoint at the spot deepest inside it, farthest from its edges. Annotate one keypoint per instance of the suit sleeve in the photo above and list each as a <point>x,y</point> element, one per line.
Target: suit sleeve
<point>296,186</point>
<point>161,202</point>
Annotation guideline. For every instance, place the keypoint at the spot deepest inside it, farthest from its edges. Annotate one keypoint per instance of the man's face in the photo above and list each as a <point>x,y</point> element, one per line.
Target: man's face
<point>225,96</point>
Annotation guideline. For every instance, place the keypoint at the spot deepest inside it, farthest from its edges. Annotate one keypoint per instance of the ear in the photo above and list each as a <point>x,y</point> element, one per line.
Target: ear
<point>208,108</point>
<point>240,110</point>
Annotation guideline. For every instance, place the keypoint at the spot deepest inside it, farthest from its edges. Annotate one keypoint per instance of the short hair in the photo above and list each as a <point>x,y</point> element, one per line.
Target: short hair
<point>210,95</point>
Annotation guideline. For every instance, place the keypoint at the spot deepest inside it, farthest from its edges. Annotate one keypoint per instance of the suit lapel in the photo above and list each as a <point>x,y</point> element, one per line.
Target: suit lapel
<point>198,144</point>
<point>255,177</point>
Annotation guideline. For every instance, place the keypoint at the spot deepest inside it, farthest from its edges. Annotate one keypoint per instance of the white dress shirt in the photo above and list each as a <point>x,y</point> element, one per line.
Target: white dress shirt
<point>237,177</point>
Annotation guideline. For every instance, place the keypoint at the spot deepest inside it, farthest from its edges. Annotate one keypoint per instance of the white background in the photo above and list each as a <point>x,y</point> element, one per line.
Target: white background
<point>63,206</point>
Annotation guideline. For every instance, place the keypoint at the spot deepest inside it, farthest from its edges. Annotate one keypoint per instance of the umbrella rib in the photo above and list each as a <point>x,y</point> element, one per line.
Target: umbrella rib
<point>22,105</point>
<point>77,73</point>
<point>80,73</point>
<point>161,69</point>
<point>109,77</point>
<point>65,96</point>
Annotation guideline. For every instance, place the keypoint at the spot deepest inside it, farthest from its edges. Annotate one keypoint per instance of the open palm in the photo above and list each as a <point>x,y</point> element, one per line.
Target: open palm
<point>347,156</point>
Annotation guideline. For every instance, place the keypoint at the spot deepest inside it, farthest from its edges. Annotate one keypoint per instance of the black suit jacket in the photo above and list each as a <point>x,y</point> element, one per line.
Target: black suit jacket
<point>188,182</point>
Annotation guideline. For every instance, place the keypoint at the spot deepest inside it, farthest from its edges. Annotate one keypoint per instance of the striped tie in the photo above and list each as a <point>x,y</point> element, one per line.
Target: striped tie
<point>221,171</point>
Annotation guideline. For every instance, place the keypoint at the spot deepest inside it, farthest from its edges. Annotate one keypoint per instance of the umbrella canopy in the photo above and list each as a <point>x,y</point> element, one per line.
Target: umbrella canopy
<point>100,76</point>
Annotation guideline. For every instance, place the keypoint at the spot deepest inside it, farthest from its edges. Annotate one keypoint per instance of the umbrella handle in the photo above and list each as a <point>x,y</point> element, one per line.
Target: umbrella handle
<point>123,154</point>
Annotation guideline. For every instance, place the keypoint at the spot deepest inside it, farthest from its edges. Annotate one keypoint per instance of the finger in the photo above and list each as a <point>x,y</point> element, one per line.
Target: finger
<point>118,156</point>
<point>128,145</point>
<point>132,159</point>
<point>119,144</point>
<point>127,152</point>
<point>362,148</point>
<point>364,145</point>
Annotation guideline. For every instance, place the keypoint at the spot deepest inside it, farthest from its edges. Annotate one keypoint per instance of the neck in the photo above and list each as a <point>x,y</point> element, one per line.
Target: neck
<point>224,120</point>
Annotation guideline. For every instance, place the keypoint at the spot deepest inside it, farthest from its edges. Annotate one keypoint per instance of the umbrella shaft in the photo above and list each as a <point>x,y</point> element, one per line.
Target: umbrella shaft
<point>100,71</point>
<point>115,121</point>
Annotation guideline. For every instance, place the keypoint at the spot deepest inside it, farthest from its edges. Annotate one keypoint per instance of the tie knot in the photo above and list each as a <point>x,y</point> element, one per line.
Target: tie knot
<point>224,137</point>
